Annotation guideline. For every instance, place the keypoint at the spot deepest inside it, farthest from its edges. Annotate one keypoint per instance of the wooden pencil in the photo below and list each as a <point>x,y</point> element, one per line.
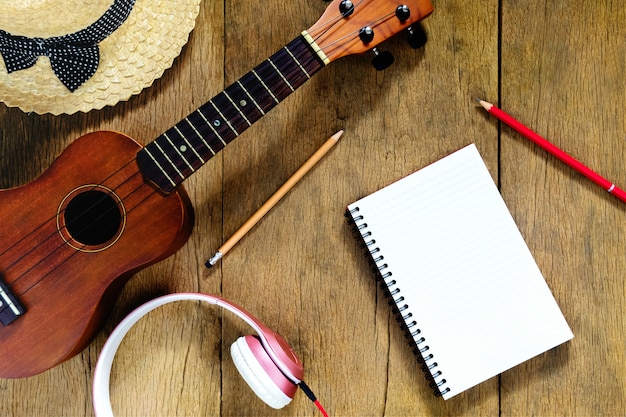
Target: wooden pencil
<point>553,150</point>
<point>273,200</point>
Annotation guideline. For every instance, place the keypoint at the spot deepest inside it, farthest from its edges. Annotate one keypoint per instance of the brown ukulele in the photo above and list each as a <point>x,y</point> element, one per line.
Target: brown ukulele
<point>108,207</point>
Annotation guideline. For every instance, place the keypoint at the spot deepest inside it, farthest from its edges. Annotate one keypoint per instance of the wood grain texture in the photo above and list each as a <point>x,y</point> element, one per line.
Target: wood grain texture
<point>555,65</point>
<point>562,76</point>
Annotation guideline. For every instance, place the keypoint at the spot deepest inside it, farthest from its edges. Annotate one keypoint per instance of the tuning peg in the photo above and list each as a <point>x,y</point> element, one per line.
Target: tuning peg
<point>366,34</point>
<point>403,13</point>
<point>346,7</point>
<point>382,59</point>
<point>417,36</point>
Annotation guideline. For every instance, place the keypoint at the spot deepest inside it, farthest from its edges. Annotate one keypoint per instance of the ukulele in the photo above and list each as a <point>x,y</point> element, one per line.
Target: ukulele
<point>108,207</point>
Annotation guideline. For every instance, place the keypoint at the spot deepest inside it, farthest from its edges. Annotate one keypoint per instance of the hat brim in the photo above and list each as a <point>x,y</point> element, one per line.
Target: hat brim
<point>131,59</point>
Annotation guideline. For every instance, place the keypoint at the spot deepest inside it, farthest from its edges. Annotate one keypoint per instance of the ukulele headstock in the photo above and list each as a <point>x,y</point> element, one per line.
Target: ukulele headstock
<point>353,27</point>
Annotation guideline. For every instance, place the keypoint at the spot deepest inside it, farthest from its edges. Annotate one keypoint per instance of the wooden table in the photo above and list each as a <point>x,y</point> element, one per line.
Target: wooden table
<point>556,65</point>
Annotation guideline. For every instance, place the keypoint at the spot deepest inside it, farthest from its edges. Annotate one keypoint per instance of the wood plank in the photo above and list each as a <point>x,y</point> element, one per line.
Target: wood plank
<point>557,66</point>
<point>300,268</point>
<point>561,77</point>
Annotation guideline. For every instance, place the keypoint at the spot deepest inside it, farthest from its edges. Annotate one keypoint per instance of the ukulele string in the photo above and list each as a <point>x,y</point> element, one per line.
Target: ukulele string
<point>57,230</point>
<point>37,228</point>
<point>341,41</point>
<point>63,244</point>
<point>123,199</point>
<point>326,26</point>
<point>36,246</point>
<point>79,250</point>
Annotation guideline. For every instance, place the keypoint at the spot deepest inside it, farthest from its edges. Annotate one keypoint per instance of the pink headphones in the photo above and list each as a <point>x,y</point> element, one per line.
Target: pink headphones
<point>266,362</point>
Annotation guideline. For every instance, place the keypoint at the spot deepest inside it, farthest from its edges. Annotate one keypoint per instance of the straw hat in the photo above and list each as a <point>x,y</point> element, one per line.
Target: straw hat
<point>46,66</point>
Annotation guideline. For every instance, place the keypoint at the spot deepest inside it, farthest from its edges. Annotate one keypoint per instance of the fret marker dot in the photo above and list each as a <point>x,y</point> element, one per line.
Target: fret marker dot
<point>183,148</point>
<point>216,123</point>
<point>242,103</point>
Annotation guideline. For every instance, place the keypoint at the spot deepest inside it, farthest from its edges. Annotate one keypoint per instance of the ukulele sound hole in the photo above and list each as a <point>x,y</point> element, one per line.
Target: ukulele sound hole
<point>93,217</point>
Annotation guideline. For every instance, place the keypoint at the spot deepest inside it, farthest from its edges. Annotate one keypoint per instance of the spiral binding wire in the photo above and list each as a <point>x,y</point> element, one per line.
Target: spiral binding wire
<point>397,302</point>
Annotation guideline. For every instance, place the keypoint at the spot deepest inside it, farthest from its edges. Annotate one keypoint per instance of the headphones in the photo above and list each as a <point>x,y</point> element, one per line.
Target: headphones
<point>266,362</point>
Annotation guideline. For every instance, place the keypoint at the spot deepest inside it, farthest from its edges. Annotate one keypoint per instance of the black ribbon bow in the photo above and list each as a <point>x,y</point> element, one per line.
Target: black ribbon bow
<point>75,57</point>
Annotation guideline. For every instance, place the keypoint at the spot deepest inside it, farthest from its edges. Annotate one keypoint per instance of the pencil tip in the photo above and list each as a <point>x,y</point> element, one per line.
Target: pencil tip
<point>337,135</point>
<point>484,103</point>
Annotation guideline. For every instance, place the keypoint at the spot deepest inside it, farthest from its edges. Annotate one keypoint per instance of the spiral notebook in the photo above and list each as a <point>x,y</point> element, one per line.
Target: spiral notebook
<point>462,279</point>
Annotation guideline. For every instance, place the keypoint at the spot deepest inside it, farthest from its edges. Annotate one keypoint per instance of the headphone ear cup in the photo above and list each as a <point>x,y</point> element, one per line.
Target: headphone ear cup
<point>261,373</point>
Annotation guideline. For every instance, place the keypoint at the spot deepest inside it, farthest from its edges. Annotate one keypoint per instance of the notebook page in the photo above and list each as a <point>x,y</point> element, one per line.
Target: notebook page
<point>464,270</point>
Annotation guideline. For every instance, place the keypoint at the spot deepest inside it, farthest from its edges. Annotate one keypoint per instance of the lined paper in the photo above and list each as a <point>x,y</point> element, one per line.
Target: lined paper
<point>464,270</point>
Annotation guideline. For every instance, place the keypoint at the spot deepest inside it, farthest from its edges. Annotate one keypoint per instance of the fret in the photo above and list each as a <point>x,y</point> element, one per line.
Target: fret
<point>224,118</point>
<point>266,72</point>
<point>184,148</point>
<point>280,87</point>
<point>210,124</point>
<point>281,75</point>
<point>202,132</point>
<point>294,64</point>
<point>178,150</point>
<point>310,63</point>
<point>248,108</point>
<point>188,146</point>
<point>218,125</point>
<point>265,85</point>
<point>261,95</point>
<point>237,107</point>
<point>199,135</point>
<point>172,164</point>
<point>251,98</point>
<point>146,151</point>
<point>179,145</point>
<point>304,71</point>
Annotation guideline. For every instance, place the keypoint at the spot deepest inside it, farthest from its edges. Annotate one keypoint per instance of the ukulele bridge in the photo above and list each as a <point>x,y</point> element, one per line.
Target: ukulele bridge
<point>10,308</point>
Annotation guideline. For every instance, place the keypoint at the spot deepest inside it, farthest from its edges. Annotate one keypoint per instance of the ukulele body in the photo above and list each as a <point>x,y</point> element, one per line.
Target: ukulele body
<point>65,269</point>
<point>71,239</point>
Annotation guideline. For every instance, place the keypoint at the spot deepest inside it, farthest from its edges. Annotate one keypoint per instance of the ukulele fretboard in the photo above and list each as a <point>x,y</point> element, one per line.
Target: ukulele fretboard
<point>180,151</point>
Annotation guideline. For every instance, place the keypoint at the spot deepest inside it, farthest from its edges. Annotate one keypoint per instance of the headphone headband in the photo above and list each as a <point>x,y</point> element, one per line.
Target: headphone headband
<point>276,347</point>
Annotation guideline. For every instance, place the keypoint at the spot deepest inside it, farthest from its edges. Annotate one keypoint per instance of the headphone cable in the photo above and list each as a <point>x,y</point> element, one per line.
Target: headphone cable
<point>311,396</point>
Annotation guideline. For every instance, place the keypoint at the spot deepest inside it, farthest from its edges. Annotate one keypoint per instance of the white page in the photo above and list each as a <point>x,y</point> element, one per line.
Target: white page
<point>464,270</point>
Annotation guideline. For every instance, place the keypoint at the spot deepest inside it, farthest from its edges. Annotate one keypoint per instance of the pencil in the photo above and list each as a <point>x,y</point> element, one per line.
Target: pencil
<point>554,150</point>
<point>273,200</point>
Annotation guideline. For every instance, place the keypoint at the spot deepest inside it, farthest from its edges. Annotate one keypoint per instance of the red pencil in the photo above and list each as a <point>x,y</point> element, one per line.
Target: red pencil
<point>552,149</point>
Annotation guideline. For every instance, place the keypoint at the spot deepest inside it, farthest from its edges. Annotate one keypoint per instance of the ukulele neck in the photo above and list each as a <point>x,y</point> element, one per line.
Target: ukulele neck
<point>184,148</point>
